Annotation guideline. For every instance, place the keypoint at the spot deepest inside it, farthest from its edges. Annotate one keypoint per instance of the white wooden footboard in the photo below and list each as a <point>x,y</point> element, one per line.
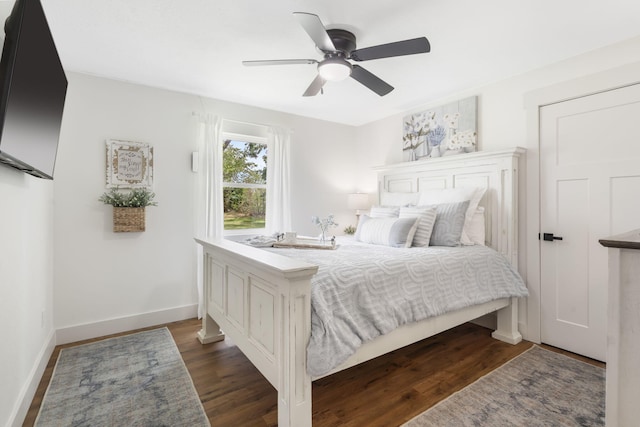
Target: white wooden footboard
<point>262,302</point>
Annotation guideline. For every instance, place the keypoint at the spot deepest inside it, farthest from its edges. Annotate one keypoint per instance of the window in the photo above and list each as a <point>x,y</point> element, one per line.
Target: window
<point>244,187</point>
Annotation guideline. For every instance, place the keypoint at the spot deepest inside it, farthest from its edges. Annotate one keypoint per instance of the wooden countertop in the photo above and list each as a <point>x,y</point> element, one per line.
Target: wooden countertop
<point>628,240</point>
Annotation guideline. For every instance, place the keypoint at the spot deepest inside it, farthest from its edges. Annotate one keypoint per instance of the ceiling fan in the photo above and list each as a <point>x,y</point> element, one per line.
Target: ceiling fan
<point>338,46</point>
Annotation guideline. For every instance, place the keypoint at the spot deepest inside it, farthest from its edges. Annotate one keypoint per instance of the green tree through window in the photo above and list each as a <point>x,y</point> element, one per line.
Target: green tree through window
<point>244,184</point>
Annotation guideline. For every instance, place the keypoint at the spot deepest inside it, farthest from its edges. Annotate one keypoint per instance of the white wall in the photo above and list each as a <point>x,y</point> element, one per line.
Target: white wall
<point>504,121</point>
<point>26,284</point>
<point>107,281</point>
<point>26,287</point>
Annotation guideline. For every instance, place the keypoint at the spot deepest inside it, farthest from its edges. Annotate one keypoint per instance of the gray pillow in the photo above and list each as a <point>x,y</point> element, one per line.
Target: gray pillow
<point>447,229</point>
<point>427,217</point>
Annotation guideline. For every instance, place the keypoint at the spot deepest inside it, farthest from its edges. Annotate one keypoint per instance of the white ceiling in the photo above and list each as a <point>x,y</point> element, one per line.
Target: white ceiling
<point>196,46</point>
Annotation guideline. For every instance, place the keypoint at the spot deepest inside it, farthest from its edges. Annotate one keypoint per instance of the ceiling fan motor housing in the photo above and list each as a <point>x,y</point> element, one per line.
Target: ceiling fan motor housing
<point>343,40</point>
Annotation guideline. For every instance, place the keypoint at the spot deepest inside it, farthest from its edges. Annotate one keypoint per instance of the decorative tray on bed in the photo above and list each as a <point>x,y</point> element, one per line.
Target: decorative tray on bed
<point>306,244</point>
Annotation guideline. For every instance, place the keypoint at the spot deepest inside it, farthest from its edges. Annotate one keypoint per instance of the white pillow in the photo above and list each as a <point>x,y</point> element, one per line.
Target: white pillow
<point>427,217</point>
<point>396,232</point>
<point>454,195</point>
<point>388,198</point>
<point>384,211</point>
<point>476,229</point>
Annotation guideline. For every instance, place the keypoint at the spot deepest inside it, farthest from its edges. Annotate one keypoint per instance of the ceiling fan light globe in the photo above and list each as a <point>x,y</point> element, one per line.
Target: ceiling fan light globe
<point>334,69</point>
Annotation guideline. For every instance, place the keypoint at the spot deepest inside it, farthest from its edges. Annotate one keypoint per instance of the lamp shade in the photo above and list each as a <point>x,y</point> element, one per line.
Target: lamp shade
<point>357,201</point>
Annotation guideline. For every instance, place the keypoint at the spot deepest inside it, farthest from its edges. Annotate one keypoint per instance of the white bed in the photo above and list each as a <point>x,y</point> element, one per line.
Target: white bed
<point>262,300</point>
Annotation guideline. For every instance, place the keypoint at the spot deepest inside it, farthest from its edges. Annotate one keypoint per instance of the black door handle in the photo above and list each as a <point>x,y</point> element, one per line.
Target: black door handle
<point>549,237</point>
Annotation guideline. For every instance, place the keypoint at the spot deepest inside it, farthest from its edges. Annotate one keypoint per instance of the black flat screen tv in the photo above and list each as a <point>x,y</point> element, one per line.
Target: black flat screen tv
<point>34,88</point>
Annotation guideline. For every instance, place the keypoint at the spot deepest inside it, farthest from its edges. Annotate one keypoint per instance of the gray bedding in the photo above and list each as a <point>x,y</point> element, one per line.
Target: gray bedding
<point>363,291</point>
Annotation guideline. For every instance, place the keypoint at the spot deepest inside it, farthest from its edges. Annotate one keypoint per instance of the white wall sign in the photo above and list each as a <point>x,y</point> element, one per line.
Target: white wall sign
<point>129,164</point>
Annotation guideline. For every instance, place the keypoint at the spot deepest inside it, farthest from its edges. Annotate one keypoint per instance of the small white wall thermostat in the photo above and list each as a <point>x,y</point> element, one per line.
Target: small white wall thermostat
<point>195,159</point>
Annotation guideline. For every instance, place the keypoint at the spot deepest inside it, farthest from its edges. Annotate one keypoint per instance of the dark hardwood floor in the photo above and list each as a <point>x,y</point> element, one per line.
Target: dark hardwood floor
<point>386,391</point>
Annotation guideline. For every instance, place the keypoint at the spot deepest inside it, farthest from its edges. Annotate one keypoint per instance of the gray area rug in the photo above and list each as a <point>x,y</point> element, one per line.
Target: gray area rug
<point>132,380</point>
<point>537,388</point>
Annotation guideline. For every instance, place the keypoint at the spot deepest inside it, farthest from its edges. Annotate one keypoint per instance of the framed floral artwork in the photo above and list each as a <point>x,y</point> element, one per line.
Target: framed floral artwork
<point>441,131</point>
<point>129,164</point>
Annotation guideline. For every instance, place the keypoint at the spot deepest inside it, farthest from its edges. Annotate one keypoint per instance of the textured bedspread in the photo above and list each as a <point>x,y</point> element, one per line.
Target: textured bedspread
<point>363,291</point>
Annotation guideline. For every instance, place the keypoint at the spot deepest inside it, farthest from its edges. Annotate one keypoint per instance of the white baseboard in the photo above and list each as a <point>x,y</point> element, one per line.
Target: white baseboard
<point>123,324</point>
<point>522,326</point>
<point>29,390</point>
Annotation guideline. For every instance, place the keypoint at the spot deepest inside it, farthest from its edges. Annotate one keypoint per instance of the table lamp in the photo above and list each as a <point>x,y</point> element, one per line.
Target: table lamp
<point>358,202</point>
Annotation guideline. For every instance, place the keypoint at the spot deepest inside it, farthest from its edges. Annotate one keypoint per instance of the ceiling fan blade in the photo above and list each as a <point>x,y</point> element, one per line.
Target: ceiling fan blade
<point>313,26</point>
<point>371,81</point>
<point>406,47</point>
<point>315,87</point>
<point>279,62</point>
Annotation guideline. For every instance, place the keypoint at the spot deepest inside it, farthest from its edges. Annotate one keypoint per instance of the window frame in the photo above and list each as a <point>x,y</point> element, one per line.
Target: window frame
<point>255,140</point>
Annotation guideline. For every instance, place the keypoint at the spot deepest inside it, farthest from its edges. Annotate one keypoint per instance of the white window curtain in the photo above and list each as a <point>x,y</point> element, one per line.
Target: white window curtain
<point>209,209</point>
<point>278,215</point>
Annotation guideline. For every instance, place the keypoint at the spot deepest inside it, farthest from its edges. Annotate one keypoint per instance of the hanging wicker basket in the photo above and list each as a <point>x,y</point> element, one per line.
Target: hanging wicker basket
<point>128,219</point>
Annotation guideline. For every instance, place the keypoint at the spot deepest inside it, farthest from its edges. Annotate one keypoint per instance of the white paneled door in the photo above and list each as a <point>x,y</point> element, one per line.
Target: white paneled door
<point>589,189</point>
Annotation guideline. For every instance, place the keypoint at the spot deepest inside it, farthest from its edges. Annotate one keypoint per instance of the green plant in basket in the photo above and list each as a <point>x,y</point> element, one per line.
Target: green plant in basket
<point>136,198</point>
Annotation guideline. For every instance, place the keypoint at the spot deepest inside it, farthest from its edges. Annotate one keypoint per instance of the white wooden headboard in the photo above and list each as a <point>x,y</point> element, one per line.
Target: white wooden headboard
<point>496,171</point>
